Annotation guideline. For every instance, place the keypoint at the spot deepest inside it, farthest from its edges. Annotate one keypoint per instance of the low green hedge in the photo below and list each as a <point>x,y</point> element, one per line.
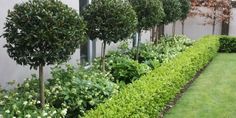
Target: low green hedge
<point>147,96</point>
<point>227,44</point>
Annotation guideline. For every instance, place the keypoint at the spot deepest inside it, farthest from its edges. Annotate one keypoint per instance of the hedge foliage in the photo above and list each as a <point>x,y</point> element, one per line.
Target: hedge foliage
<point>147,96</point>
<point>228,44</point>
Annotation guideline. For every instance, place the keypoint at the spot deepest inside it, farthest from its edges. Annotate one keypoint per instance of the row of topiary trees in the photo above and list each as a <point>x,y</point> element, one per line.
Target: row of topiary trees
<point>45,32</point>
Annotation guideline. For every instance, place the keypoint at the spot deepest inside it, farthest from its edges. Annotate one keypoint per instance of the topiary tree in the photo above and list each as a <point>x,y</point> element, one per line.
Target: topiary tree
<point>185,8</point>
<point>42,32</point>
<point>173,11</point>
<point>109,21</point>
<point>150,13</point>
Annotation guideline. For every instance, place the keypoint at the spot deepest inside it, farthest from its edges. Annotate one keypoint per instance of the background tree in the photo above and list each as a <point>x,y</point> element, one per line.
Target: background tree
<point>149,13</point>
<point>42,32</point>
<point>217,11</point>
<point>172,9</point>
<point>185,8</point>
<point>109,21</point>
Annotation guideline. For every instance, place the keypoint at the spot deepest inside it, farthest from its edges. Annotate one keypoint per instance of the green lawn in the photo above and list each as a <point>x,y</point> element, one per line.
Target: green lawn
<point>213,94</point>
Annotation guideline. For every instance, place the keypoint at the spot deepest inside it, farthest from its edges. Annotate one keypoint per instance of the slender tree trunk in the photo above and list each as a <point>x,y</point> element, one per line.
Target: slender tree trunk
<point>134,39</point>
<point>183,26</point>
<point>157,37</point>
<point>41,86</point>
<point>173,28</point>
<point>153,34</point>
<point>225,28</point>
<point>157,34</point>
<point>139,40</point>
<point>214,22</point>
<point>160,30</point>
<point>103,56</point>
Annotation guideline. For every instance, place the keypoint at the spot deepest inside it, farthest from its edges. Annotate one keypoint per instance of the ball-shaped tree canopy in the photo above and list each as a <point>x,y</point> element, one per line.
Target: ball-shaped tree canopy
<point>110,20</point>
<point>172,9</point>
<point>185,8</point>
<point>42,32</point>
<point>149,12</point>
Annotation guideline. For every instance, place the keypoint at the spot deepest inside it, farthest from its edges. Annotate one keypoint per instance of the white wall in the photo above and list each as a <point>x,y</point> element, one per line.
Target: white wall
<point>194,27</point>
<point>145,36</point>
<point>232,28</point>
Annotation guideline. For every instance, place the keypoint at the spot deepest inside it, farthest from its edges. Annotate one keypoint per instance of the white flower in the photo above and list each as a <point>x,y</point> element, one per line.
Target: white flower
<point>1,102</point>
<point>14,106</point>
<point>27,85</point>
<point>7,111</point>
<point>30,103</point>
<point>63,112</point>
<point>44,113</point>
<point>33,101</point>
<point>25,103</point>
<point>5,96</point>
<point>30,96</point>
<point>54,112</point>
<point>38,102</point>
<point>28,116</point>
<point>18,112</point>
<point>46,105</point>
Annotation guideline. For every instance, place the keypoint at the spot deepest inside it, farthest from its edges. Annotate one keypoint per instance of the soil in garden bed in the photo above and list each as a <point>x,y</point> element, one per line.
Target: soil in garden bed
<point>173,102</point>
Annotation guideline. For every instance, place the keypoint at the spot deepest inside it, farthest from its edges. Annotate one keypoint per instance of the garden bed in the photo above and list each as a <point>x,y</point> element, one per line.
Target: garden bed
<point>148,84</point>
<point>74,90</point>
<point>148,96</point>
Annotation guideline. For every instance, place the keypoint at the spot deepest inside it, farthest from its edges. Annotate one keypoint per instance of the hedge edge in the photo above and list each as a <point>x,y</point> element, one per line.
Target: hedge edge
<point>147,96</point>
<point>227,44</point>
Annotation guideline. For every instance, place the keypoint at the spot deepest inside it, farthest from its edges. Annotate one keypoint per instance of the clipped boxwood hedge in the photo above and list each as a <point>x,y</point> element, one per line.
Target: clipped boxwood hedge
<point>147,96</point>
<point>227,44</point>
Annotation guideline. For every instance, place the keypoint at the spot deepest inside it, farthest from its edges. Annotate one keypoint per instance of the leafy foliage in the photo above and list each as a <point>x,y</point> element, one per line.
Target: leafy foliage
<point>43,32</point>
<point>23,102</point>
<point>149,12</point>
<point>147,52</point>
<point>170,46</point>
<point>79,89</point>
<point>148,95</point>
<point>127,70</point>
<point>110,20</point>
<point>124,68</point>
<point>70,93</point>
<point>227,44</point>
<point>172,9</point>
<point>167,48</point>
<point>185,8</point>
